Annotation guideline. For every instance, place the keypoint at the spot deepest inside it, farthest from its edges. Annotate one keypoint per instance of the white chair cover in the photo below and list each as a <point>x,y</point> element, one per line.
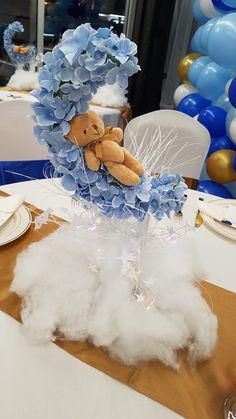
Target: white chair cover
<point>168,140</point>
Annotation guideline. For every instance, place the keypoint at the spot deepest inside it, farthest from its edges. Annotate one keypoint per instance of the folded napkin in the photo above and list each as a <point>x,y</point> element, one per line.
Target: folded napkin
<point>226,215</point>
<point>8,206</point>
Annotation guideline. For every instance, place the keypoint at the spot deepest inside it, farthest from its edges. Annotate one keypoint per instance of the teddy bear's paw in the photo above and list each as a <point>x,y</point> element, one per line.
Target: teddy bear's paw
<point>113,134</point>
<point>92,161</point>
<point>118,133</point>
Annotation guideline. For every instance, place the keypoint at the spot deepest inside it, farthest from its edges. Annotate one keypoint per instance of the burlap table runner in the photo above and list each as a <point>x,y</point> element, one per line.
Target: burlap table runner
<point>195,393</point>
<point>9,89</point>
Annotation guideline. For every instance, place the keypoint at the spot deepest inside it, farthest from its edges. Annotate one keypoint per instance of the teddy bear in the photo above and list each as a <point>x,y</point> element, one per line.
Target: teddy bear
<point>101,147</point>
<point>19,49</point>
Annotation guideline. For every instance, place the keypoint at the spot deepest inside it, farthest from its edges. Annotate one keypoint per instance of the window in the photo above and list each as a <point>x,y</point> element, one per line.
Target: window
<point>68,14</point>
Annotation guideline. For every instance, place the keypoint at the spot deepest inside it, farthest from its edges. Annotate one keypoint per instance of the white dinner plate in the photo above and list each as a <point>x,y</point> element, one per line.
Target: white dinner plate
<point>17,225</point>
<point>221,228</point>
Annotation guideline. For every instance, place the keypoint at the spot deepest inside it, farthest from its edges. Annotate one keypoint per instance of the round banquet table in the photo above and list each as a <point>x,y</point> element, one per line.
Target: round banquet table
<point>46,382</point>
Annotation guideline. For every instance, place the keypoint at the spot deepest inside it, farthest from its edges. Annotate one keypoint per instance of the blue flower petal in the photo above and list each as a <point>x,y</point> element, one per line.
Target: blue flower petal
<point>117,201</point>
<point>68,182</point>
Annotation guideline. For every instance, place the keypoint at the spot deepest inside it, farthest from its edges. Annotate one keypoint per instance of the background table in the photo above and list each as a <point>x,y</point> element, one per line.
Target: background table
<point>111,116</point>
<point>45,382</point>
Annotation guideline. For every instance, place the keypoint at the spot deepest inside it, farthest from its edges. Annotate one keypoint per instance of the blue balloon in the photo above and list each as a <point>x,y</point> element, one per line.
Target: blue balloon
<point>213,188</point>
<point>222,102</point>
<point>222,7</point>
<point>214,119</point>
<point>234,162</point>
<point>222,41</point>
<point>197,13</point>
<point>195,44</point>
<point>196,67</point>
<point>212,80</point>
<point>204,34</point>
<point>193,104</point>
<point>231,3</point>
<point>221,143</point>
<point>232,92</point>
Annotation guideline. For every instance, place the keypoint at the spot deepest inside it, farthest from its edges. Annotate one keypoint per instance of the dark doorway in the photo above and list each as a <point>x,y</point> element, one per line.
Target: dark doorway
<point>151,32</point>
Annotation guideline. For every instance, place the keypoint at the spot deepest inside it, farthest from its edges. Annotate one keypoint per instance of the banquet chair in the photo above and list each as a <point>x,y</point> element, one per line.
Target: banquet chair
<point>168,140</point>
<point>21,156</point>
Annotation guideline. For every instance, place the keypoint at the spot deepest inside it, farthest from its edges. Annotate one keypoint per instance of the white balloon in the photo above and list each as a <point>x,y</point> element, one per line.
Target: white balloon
<point>227,87</point>
<point>182,91</point>
<point>232,130</point>
<point>208,9</point>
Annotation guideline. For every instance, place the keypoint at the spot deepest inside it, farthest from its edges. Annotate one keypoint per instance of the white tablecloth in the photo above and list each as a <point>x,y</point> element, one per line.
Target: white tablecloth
<point>45,382</point>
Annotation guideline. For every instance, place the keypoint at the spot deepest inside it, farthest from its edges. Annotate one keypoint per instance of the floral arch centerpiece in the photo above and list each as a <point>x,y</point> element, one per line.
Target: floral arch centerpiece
<point>18,54</point>
<point>99,278</point>
<point>85,60</point>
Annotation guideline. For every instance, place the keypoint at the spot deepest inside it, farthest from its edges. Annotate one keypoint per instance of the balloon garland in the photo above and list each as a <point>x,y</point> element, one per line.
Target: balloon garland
<point>185,64</point>
<point>17,54</point>
<point>212,75</point>
<point>83,61</point>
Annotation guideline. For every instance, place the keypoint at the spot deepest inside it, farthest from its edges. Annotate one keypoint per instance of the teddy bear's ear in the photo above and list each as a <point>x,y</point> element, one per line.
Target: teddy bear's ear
<point>94,116</point>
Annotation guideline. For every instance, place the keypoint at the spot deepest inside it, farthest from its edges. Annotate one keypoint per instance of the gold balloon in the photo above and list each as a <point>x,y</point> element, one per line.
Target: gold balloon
<point>219,166</point>
<point>184,65</point>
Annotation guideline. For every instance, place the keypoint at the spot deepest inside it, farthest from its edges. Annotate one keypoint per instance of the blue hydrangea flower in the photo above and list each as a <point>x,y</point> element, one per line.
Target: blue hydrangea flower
<point>103,33</point>
<point>121,73</point>
<point>98,58</point>
<point>75,42</point>
<point>63,108</point>
<point>43,115</point>
<point>167,195</point>
<point>49,80</point>
<point>154,202</point>
<point>126,49</point>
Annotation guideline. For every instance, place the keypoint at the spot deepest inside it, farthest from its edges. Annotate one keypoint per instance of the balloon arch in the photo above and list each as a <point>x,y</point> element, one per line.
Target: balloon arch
<point>208,91</point>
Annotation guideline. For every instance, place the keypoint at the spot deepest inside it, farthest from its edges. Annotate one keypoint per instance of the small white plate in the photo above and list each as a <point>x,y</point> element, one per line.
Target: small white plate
<point>17,225</point>
<point>221,228</point>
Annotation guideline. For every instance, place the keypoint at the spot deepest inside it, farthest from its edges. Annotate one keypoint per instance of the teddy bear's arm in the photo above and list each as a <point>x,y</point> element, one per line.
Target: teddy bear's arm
<point>92,161</point>
<point>111,151</point>
<point>113,134</point>
<point>132,163</point>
